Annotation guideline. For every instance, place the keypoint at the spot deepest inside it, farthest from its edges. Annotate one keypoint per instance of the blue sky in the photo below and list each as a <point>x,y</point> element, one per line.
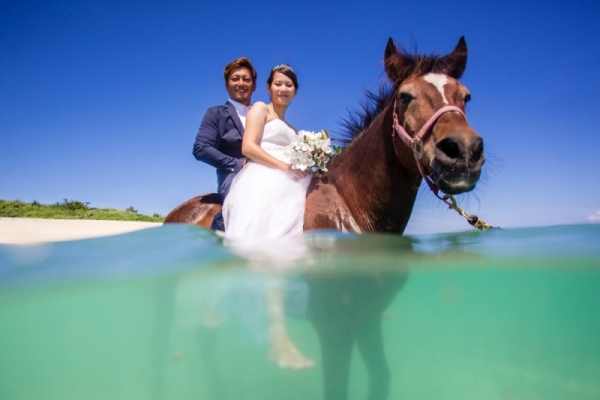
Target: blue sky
<point>100,101</point>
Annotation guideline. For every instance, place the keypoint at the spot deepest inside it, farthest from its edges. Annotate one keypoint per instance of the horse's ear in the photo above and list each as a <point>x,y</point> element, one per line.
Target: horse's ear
<point>394,61</point>
<point>390,49</point>
<point>456,62</point>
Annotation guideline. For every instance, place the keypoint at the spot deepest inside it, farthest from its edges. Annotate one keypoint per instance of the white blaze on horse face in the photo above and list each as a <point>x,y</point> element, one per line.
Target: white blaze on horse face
<point>439,81</point>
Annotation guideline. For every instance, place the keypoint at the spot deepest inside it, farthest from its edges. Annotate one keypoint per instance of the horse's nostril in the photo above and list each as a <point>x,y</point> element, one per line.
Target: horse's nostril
<point>477,150</point>
<point>449,147</point>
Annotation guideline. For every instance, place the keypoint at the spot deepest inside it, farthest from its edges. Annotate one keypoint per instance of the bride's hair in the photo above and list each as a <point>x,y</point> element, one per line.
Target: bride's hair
<point>285,70</point>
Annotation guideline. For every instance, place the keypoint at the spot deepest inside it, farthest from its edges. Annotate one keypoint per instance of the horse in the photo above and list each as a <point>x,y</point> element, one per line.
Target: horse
<point>412,130</point>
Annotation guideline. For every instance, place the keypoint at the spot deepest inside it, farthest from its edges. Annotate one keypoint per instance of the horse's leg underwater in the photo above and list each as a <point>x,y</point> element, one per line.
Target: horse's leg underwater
<point>331,311</point>
<point>369,336</point>
<point>370,343</point>
<point>346,308</point>
<point>337,338</point>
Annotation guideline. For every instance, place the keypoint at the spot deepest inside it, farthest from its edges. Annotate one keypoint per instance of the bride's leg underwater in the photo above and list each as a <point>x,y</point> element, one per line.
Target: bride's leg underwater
<point>282,350</point>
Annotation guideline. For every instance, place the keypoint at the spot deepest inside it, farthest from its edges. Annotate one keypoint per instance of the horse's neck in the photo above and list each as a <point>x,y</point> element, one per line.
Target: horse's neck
<point>378,186</point>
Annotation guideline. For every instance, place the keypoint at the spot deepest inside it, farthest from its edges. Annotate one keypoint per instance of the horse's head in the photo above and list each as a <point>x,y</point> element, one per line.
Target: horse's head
<point>452,152</point>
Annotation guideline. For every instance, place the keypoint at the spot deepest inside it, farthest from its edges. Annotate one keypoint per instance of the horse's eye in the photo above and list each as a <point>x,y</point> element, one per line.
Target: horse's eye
<point>467,98</point>
<point>405,98</point>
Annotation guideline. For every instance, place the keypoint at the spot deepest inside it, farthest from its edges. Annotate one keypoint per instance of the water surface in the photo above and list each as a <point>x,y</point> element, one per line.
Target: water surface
<point>505,314</point>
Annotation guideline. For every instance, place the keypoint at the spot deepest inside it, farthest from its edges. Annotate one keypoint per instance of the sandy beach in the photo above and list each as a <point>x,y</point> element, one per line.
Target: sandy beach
<point>36,230</point>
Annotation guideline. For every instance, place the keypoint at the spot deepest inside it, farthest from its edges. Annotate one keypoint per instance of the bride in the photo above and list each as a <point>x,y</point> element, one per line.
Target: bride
<point>266,201</point>
<point>267,197</point>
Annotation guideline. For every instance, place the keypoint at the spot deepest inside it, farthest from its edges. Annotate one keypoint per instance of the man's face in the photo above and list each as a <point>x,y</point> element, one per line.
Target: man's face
<point>240,86</point>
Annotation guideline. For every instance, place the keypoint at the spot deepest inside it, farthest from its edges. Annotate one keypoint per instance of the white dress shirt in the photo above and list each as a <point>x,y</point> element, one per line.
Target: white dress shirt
<point>241,110</point>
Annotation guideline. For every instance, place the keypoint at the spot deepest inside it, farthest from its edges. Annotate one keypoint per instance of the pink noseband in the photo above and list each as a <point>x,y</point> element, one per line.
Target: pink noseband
<point>416,143</point>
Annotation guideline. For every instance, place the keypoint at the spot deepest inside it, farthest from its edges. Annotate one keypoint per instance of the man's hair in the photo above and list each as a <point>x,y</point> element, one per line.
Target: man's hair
<point>241,62</point>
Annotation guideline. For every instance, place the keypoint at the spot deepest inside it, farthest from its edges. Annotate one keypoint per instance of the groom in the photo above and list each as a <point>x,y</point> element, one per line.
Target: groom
<point>219,139</point>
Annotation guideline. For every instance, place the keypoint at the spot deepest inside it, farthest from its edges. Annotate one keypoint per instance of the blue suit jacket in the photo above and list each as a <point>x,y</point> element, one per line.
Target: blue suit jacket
<point>219,143</point>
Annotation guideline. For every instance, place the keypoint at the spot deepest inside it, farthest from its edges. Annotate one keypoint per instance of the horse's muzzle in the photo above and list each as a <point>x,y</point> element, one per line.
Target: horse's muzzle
<point>457,162</point>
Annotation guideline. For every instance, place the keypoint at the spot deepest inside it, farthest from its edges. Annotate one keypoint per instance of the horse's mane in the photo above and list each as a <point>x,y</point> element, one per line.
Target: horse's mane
<point>374,102</point>
<point>371,106</point>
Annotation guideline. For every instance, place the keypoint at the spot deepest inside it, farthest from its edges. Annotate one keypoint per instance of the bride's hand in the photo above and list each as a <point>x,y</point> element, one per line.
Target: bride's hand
<point>296,173</point>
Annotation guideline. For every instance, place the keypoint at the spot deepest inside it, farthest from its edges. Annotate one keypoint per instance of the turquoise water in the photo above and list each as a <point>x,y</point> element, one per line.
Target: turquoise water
<point>505,314</point>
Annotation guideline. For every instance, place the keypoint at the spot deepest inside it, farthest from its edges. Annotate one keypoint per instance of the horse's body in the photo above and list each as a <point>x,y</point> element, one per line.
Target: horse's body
<point>197,211</point>
<point>371,187</point>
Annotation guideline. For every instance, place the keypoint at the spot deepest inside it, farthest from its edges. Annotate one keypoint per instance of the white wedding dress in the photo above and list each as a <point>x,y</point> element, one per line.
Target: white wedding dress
<point>263,202</point>
<point>264,219</point>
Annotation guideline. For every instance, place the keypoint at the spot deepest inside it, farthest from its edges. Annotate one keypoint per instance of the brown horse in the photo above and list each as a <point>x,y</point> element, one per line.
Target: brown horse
<point>371,187</point>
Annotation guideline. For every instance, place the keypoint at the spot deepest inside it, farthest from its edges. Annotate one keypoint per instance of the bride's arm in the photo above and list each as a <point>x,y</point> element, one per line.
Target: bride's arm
<point>255,122</point>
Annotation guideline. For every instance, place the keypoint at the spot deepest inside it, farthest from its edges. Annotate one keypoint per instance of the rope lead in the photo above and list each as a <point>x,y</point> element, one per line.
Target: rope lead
<point>474,220</point>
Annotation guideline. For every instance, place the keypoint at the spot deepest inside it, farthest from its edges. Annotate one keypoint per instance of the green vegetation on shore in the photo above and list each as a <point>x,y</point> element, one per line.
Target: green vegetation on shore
<point>70,209</point>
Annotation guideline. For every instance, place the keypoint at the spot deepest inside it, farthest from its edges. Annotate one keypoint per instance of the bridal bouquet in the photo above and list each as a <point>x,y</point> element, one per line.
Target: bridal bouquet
<point>311,150</point>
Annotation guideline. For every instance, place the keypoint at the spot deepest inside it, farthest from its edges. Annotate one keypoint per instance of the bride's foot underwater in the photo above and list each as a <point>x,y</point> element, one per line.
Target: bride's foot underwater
<point>286,355</point>
<point>282,351</point>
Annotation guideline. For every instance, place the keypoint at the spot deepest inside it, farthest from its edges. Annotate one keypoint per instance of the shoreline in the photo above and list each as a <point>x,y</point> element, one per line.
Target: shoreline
<point>25,231</point>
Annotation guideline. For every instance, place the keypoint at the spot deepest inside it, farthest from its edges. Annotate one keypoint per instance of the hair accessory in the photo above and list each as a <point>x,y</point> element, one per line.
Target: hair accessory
<point>282,67</point>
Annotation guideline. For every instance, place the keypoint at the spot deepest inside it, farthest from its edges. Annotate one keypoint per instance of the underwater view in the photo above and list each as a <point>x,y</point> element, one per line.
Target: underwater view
<point>176,312</point>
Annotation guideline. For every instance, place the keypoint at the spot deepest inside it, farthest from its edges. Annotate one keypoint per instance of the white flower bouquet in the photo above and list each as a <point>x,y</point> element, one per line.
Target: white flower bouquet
<point>310,150</point>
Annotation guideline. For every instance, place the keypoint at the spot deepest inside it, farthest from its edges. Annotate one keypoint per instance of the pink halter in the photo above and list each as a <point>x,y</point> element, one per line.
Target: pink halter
<point>416,143</point>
